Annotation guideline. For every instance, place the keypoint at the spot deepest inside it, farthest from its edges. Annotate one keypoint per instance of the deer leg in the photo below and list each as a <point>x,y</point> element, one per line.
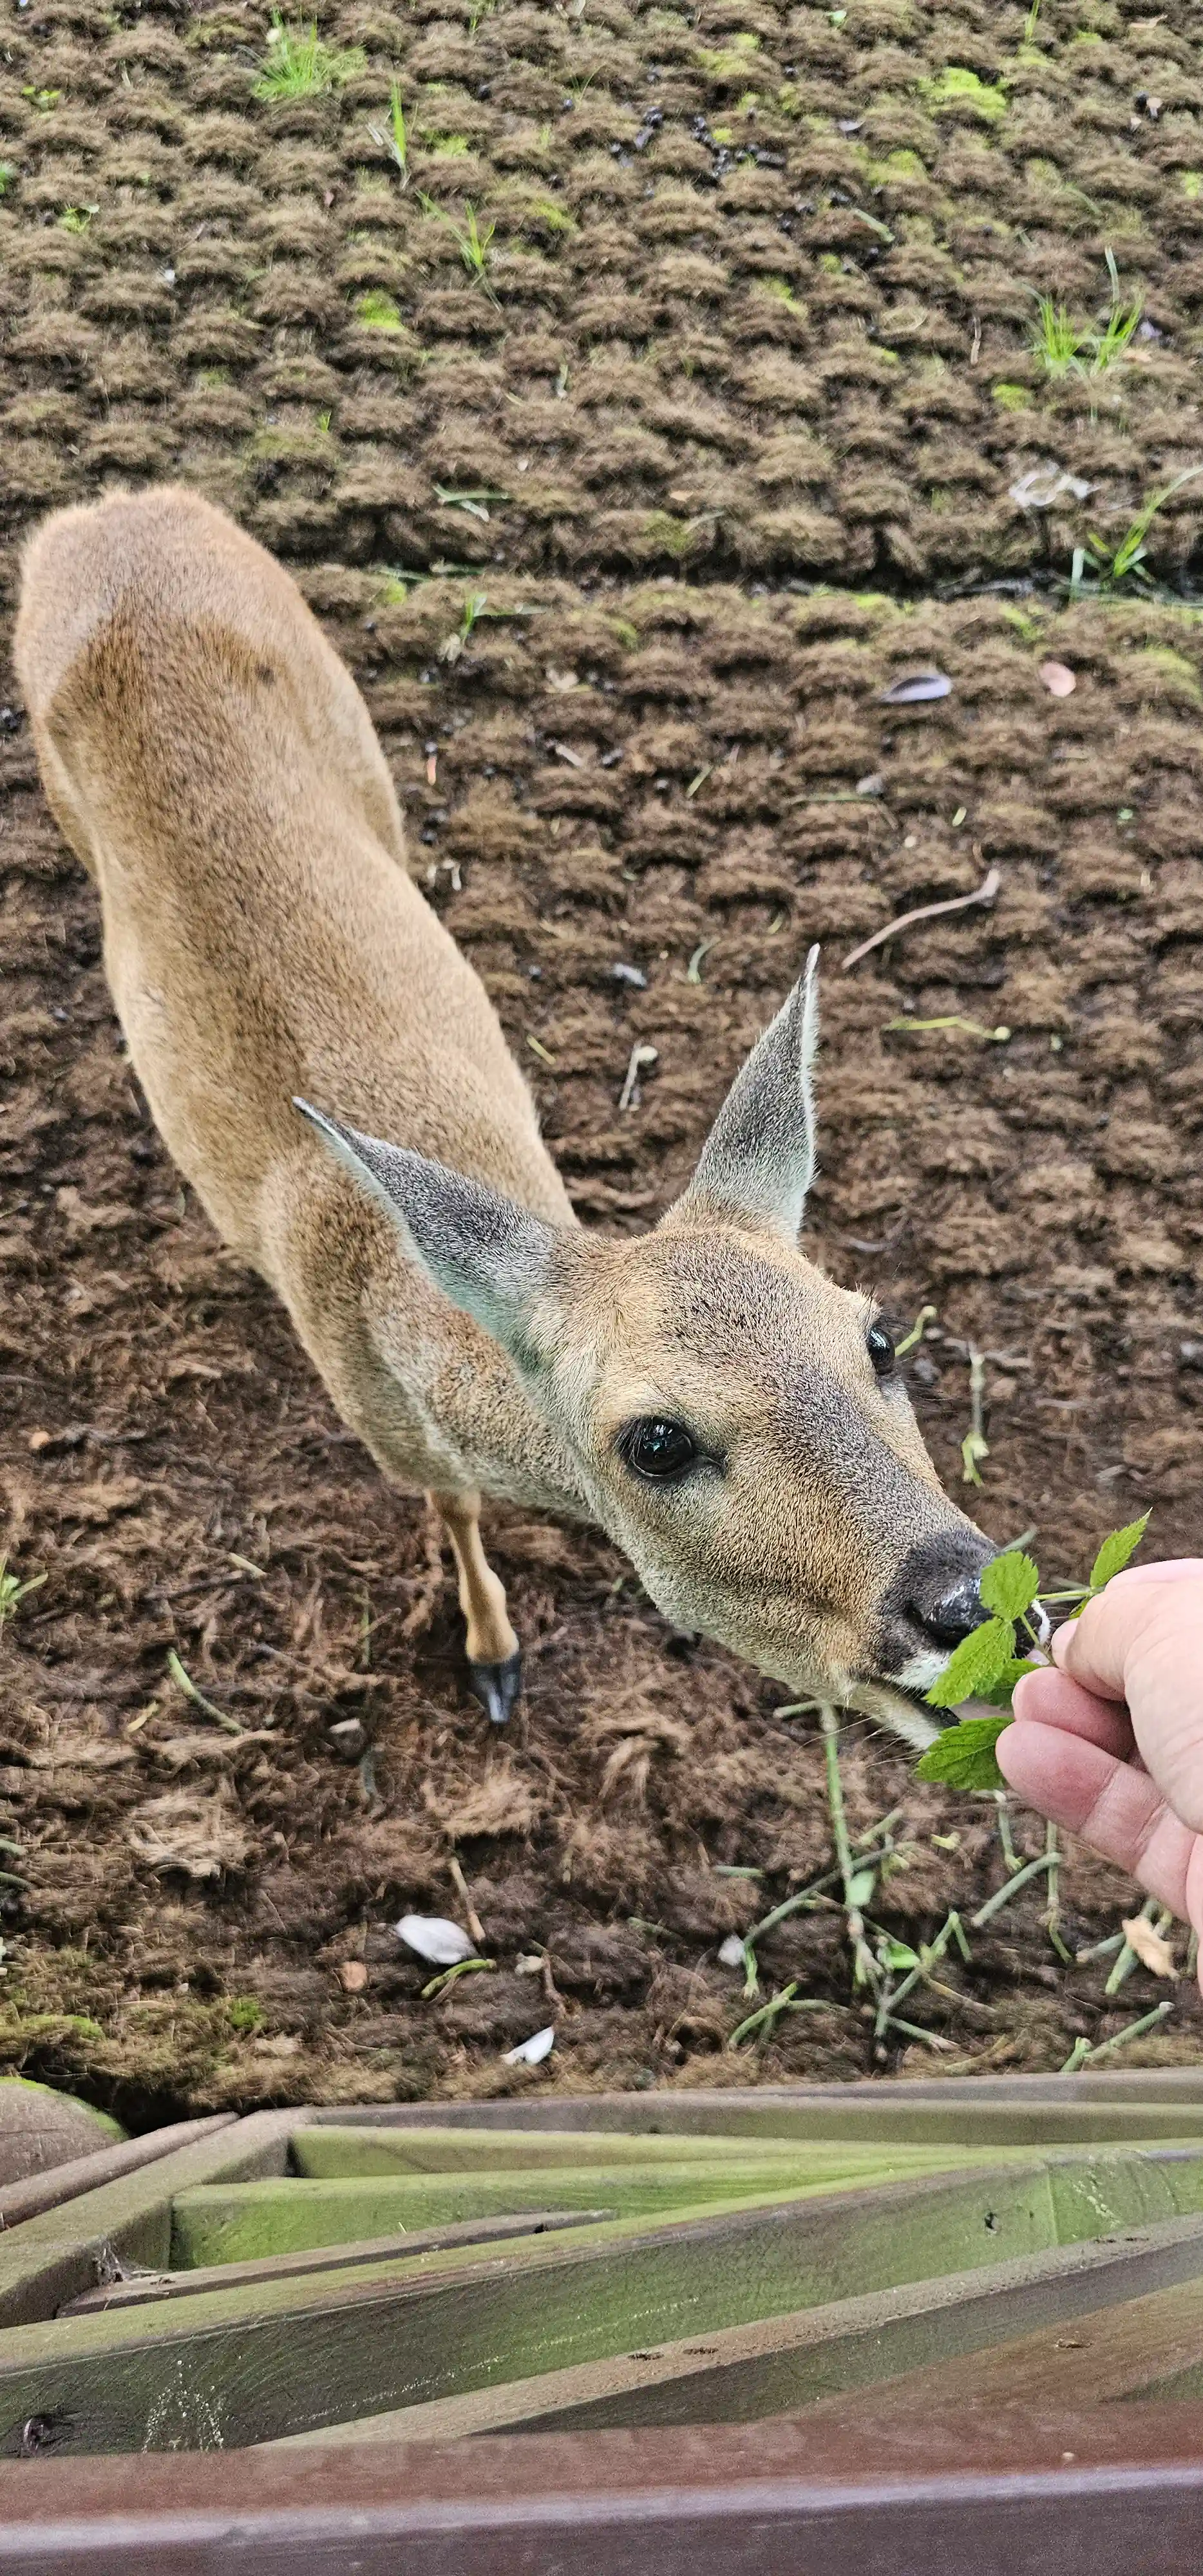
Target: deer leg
<point>494,1659</point>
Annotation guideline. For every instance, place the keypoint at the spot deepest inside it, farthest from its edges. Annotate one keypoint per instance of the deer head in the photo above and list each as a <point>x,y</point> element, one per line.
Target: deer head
<point>737,1422</point>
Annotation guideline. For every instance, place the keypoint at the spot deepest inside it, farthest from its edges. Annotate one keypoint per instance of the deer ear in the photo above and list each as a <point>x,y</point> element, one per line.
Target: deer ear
<point>490,1257</point>
<point>758,1161</point>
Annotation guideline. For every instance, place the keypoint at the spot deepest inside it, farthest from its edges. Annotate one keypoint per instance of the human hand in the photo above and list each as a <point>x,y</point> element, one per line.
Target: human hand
<point>1108,1739</point>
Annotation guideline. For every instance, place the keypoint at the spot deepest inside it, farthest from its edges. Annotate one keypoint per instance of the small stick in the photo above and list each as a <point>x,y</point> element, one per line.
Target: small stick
<point>985,893</point>
<point>476,1929</point>
<point>190,1691</point>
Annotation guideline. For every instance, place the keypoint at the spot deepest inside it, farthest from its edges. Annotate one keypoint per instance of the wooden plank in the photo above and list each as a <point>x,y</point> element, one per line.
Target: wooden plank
<point>1149,2347</point>
<point>739,2374</point>
<point>1080,2111</point>
<point>344,2153</point>
<point>61,2253</point>
<point>149,2286</point>
<point>52,2190</point>
<point>221,2223</point>
<point>1116,2493</point>
<point>667,2109</point>
<point>234,2366</point>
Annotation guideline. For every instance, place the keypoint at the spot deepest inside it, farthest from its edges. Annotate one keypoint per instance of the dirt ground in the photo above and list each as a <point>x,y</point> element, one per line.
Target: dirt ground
<point>758,460</point>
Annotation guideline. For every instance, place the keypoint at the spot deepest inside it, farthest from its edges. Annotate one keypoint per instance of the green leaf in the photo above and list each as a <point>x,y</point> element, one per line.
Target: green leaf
<point>978,1661</point>
<point>860,1888</point>
<point>1009,1584</point>
<point>964,1755</point>
<point>1115,1551</point>
<point>999,1693</point>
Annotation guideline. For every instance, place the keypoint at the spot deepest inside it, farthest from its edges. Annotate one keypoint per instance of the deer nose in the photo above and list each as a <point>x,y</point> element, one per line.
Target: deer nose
<point>954,1613</point>
<point>936,1593</point>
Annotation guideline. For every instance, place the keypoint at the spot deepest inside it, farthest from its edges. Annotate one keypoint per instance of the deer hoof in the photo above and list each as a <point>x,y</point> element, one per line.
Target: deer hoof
<point>497,1687</point>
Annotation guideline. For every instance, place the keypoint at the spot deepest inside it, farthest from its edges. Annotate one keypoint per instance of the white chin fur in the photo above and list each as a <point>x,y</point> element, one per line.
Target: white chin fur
<point>876,1699</point>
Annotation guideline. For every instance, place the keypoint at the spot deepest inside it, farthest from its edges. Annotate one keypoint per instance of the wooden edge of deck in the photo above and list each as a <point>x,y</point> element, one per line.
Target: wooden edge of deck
<point>1010,2492</point>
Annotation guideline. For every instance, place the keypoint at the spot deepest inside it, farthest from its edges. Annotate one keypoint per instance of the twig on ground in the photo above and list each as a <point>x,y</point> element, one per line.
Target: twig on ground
<point>985,893</point>
<point>476,1929</point>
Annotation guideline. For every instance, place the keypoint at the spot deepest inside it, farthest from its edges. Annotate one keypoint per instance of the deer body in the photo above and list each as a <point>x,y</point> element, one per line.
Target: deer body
<point>212,764</point>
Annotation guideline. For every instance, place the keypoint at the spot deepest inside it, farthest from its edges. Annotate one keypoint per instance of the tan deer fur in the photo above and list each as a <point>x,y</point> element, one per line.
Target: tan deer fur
<point>211,762</point>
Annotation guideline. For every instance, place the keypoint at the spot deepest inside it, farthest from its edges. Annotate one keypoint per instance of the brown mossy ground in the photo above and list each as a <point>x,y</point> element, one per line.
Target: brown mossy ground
<point>706,383</point>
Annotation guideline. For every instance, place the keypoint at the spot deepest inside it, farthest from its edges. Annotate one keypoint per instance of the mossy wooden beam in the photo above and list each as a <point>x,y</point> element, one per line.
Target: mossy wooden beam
<point>330,2152</point>
<point>235,2223</point>
<point>739,2374</point>
<point>147,2288</point>
<point>1057,2111</point>
<point>251,2364</point>
<point>54,2257</point>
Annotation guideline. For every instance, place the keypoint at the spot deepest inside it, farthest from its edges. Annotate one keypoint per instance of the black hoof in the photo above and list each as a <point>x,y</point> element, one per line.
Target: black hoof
<point>497,1687</point>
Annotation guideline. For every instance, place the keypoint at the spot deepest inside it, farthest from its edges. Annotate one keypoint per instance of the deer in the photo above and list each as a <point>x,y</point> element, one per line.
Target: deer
<point>327,1071</point>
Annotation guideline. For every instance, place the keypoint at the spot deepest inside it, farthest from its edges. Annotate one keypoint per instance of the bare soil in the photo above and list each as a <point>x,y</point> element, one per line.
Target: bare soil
<point>719,399</point>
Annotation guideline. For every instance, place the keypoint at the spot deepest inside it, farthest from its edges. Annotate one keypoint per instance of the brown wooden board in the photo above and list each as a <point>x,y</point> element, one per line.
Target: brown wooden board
<point>1021,2492</point>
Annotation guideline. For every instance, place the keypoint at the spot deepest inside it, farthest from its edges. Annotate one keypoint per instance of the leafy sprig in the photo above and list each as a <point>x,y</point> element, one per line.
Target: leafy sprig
<point>992,1658</point>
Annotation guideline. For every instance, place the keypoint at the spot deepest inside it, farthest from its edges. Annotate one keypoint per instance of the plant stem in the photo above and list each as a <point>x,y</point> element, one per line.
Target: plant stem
<point>188,1686</point>
<point>1003,1895</point>
<point>1127,1957</point>
<point>1052,1918</point>
<point>1010,1855</point>
<point>864,1965</point>
<point>1082,2048</point>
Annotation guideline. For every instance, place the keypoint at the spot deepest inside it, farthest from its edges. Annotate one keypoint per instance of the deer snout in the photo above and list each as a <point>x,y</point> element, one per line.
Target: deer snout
<point>933,1602</point>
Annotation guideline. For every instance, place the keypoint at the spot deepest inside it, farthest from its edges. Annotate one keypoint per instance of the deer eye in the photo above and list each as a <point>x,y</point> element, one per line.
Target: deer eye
<point>880,1346</point>
<point>661,1452</point>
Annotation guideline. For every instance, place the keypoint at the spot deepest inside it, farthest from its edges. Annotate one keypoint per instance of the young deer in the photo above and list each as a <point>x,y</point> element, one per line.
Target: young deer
<point>734,1420</point>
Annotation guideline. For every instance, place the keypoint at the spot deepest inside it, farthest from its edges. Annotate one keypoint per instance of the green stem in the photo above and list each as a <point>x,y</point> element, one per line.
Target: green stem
<point>1082,2048</point>
<point>1127,1958</point>
<point>1003,1895</point>
<point>864,1965</point>
<point>1010,1855</point>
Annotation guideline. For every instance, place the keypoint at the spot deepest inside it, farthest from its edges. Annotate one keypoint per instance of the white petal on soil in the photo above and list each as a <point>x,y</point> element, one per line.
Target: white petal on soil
<point>917,689</point>
<point>1045,484</point>
<point>531,2052</point>
<point>732,1953</point>
<point>434,1938</point>
<point>1151,1950</point>
<point>1058,679</point>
